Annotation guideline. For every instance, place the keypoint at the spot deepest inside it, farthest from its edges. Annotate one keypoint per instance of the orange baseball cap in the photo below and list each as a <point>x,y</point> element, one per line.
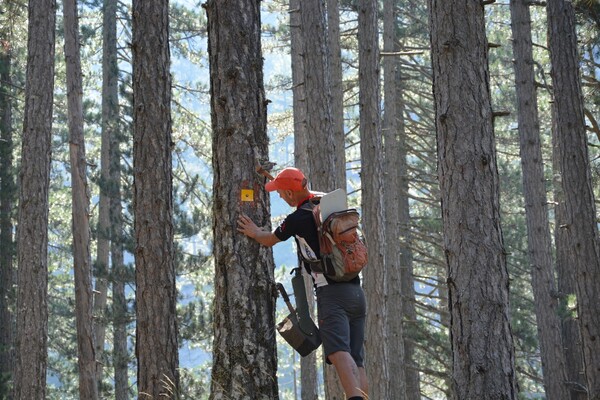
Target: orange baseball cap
<point>288,179</point>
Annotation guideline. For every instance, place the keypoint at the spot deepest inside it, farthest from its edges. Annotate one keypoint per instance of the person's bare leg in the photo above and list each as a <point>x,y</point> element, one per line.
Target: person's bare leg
<point>348,372</point>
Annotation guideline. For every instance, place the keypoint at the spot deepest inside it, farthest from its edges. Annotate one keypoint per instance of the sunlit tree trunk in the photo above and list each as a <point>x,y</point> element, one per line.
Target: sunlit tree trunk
<point>333,387</point>
<point>580,213</point>
<point>534,190</point>
<point>32,240</point>
<point>156,322</point>
<point>337,90</point>
<point>308,364</point>
<point>7,192</point>
<point>82,267</point>
<point>299,96</point>
<point>319,124</point>
<point>371,150</point>
<point>244,349</point>
<point>317,90</point>
<point>392,192</point>
<point>482,346</point>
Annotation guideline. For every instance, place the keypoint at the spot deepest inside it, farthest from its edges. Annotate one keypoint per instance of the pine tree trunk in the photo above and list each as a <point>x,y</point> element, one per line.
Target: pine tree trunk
<point>571,337</point>
<point>32,239</point>
<point>392,193</point>
<point>407,289</point>
<point>109,106</point>
<point>538,230</point>
<point>7,192</point>
<point>118,272</point>
<point>407,282</point>
<point>337,90</point>
<point>580,213</point>
<point>482,347</point>
<point>156,329</point>
<point>308,364</point>
<point>372,202</point>
<point>82,267</point>
<point>298,92</point>
<point>244,349</point>
<point>323,166</point>
<point>318,96</point>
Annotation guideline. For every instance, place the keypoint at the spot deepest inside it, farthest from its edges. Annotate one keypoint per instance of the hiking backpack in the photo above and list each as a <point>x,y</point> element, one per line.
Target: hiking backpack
<point>343,252</point>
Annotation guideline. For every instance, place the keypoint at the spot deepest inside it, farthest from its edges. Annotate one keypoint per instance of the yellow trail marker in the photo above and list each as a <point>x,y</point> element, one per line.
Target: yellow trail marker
<point>247,195</point>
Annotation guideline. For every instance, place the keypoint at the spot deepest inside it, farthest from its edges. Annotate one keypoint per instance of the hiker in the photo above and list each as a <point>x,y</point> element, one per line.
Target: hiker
<point>341,306</point>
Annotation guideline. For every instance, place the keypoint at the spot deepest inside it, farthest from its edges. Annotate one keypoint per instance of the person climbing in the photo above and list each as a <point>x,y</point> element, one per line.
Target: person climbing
<point>341,306</point>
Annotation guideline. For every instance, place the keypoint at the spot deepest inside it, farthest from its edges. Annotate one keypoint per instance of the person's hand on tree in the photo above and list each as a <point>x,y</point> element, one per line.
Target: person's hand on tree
<point>247,226</point>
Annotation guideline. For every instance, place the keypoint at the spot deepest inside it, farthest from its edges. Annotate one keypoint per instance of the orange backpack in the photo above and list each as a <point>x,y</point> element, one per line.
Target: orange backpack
<point>343,252</point>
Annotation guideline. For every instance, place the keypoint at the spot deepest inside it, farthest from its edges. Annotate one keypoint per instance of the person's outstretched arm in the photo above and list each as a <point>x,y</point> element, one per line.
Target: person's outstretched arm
<point>249,228</point>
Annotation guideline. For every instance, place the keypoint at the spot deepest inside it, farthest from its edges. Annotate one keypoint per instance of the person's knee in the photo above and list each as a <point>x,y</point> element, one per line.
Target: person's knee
<point>340,356</point>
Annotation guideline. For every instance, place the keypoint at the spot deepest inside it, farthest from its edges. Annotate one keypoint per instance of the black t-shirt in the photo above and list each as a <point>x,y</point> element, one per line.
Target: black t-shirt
<point>301,223</point>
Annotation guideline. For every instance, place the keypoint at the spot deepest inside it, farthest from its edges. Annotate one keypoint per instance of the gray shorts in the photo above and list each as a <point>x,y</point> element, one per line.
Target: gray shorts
<point>341,310</point>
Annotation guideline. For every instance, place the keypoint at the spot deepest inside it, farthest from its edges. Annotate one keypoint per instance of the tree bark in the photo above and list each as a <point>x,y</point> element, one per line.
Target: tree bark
<point>32,286</point>
<point>318,96</point>
<point>371,150</point>
<point>323,166</point>
<point>298,90</point>
<point>337,90</point>
<point>7,193</point>
<point>308,364</point>
<point>82,267</point>
<point>580,213</point>
<point>482,347</point>
<point>156,329</point>
<point>407,282</point>
<point>571,337</point>
<point>244,350</point>
<point>392,197</point>
<point>534,190</point>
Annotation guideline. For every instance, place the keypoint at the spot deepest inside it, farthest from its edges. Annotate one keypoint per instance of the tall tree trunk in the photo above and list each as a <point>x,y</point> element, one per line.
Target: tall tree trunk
<point>244,350</point>
<point>111,172</point>
<point>318,96</point>
<point>534,190</point>
<point>337,90</point>
<point>308,364</point>
<point>298,90</point>
<point>110,114</point>
<point>333,387</point>
<point>32,238</point>
<point>371,150</point>
<point>580,212</point>
<point>390,129</point>
<point>482,347</point>
<point>156,328</point>
<point>86,359</point>
<point>7,192</point>
<point>101,266</point>
<point>571,337</point>
<point>407,282</point>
